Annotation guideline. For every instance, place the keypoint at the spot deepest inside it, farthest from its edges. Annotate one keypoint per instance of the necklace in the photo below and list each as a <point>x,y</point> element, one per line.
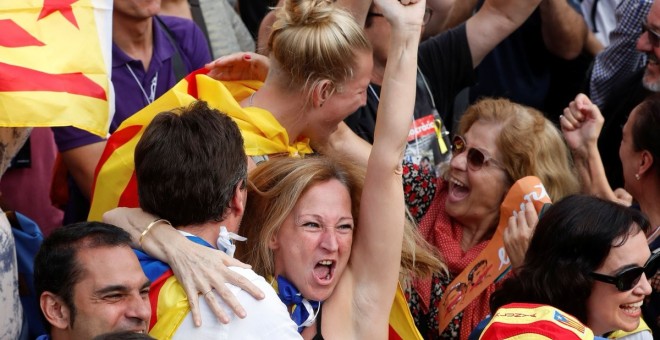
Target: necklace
<point>152,95</point>
<point>251,98</point>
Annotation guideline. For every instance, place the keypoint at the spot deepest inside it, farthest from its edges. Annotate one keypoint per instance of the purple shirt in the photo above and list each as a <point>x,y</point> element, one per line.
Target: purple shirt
<point>129,97</point>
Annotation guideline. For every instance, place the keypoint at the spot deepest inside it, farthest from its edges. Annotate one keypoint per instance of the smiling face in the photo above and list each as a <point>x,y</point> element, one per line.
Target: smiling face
<point>346,99</point>
<point>312,246</point>
<point>112,294</point>
<point>609,309</point>
<point>651,78</point>
<point>475,195</point>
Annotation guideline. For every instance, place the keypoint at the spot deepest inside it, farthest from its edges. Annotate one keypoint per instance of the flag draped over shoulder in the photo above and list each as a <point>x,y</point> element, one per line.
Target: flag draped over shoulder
<point>115,184</point>
<point>55,61</point>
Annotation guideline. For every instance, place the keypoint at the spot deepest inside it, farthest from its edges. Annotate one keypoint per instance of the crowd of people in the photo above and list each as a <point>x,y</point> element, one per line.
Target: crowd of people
<point>402,169</point>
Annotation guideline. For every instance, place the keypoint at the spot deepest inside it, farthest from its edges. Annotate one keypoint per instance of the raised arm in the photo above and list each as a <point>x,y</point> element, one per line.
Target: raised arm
<point>563,28</point>
<point>376,252</point>
<point>494,21</point>
<point>581,124</point>
<point>460,12</point>
<point>197,268</point>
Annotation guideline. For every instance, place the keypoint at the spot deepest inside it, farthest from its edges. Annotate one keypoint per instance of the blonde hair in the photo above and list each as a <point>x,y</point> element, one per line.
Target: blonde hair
<point>530,145</point>
<point>312,40</point>
<point>274,188</point>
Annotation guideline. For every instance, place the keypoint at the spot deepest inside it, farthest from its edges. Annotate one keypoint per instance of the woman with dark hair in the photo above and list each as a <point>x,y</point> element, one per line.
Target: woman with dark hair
<point>639,153</point>
<point>588,257</point>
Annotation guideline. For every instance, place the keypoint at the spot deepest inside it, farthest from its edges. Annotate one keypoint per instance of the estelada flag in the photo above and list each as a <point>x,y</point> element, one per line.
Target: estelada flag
<point>55,62</point>
<point>534,321</point>
<point>115,184</point>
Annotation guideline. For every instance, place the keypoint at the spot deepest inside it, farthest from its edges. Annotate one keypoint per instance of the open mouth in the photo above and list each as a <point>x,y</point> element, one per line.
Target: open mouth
<point>632,309</point>
<point>324,271</point>
<point>457,189</point>
<point>652,58</point>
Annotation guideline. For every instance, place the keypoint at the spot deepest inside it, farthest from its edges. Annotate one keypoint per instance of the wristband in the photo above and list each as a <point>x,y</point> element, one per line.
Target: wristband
<point>153,223</point>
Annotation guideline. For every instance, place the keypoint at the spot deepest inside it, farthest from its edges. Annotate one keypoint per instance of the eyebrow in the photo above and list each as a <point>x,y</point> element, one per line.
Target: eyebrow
<point>120,288</point>
<point>626,266</point>
<point>318,217</point>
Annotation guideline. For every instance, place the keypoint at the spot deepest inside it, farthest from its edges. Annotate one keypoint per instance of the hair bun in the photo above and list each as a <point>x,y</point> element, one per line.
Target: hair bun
<point>306,12</point>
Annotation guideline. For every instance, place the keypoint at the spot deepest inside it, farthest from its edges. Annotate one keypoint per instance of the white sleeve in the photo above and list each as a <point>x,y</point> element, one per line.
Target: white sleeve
<point>266,319</point>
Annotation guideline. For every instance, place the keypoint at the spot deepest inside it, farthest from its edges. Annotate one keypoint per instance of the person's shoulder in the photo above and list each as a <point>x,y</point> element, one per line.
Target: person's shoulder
<point>249,274</point>
<point>177,23</point>
<point>181,28</point>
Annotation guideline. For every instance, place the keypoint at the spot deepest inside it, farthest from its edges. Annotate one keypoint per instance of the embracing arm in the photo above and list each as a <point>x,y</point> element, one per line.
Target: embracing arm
<point>376,253</point>
<point>239,66</point>
<point>494,21</point>
<point>197,268</point>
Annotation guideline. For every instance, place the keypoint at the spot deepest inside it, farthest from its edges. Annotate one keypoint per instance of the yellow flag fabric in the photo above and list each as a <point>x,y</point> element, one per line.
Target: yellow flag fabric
<point>55,62</point>
<point>115,184</point>
<point>402,326</point>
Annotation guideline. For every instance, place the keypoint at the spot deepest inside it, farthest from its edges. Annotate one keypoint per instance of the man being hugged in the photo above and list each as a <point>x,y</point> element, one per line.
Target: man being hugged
<point>191,171</point>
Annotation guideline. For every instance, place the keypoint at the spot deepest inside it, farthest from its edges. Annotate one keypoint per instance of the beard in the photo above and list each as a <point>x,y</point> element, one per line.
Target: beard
<point>651,81</point>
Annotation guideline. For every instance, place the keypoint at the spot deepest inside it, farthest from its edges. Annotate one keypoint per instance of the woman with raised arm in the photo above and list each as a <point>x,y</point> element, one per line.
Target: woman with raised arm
<point>320,66</point>
<point>640,154</point>
<point>307,236</point>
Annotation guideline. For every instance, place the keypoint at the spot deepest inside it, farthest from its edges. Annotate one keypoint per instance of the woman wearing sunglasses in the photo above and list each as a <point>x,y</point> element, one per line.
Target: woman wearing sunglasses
<point>498,142</point>
<point>588,257</point>
<point>639,152</point>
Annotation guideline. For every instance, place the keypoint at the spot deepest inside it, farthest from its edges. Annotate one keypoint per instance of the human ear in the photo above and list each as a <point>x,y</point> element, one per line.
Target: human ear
<point>322,92</point>
<point>57,313</point>
<point>646,162</point>
<point>274,242</point>
<point>237,204</point>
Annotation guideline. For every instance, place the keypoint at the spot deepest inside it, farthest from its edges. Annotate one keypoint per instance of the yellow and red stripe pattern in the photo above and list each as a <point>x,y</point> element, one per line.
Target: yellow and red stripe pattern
<point>526,320</point>
<point>55,60</point>
<point>402,326</point>
<point>115,184</point>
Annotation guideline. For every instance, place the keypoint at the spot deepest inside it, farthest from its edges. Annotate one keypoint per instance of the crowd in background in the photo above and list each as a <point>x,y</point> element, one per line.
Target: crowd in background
<point>489,165</point>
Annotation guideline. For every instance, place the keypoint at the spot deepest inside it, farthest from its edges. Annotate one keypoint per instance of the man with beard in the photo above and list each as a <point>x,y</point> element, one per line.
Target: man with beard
<point>619,79</point>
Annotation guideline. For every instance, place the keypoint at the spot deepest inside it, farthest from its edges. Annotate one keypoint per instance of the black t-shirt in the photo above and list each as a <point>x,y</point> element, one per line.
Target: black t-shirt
<point>445,67</point>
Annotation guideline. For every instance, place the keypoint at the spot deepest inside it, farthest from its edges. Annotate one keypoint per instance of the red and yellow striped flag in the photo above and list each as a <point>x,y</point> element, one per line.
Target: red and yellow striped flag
<point>55,61</point>
<point>402,326</point>
<point>115,184</point>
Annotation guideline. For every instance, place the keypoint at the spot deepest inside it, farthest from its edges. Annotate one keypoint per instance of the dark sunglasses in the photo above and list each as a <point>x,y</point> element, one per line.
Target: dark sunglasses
<point>475,158</point>
<point>629,277</point>
<point>654,37</point>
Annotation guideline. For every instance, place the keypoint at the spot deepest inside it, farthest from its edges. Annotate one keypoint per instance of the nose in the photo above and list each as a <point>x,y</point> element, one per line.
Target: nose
<point>643,43</point>
<point>139,309</point>
<point>329,240</point>
<point>643,287</point>
<point>459,161</point>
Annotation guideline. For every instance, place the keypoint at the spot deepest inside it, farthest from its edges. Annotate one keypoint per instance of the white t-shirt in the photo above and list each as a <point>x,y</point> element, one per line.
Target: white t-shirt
<point>603,19</point>
<point>266,319</point>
